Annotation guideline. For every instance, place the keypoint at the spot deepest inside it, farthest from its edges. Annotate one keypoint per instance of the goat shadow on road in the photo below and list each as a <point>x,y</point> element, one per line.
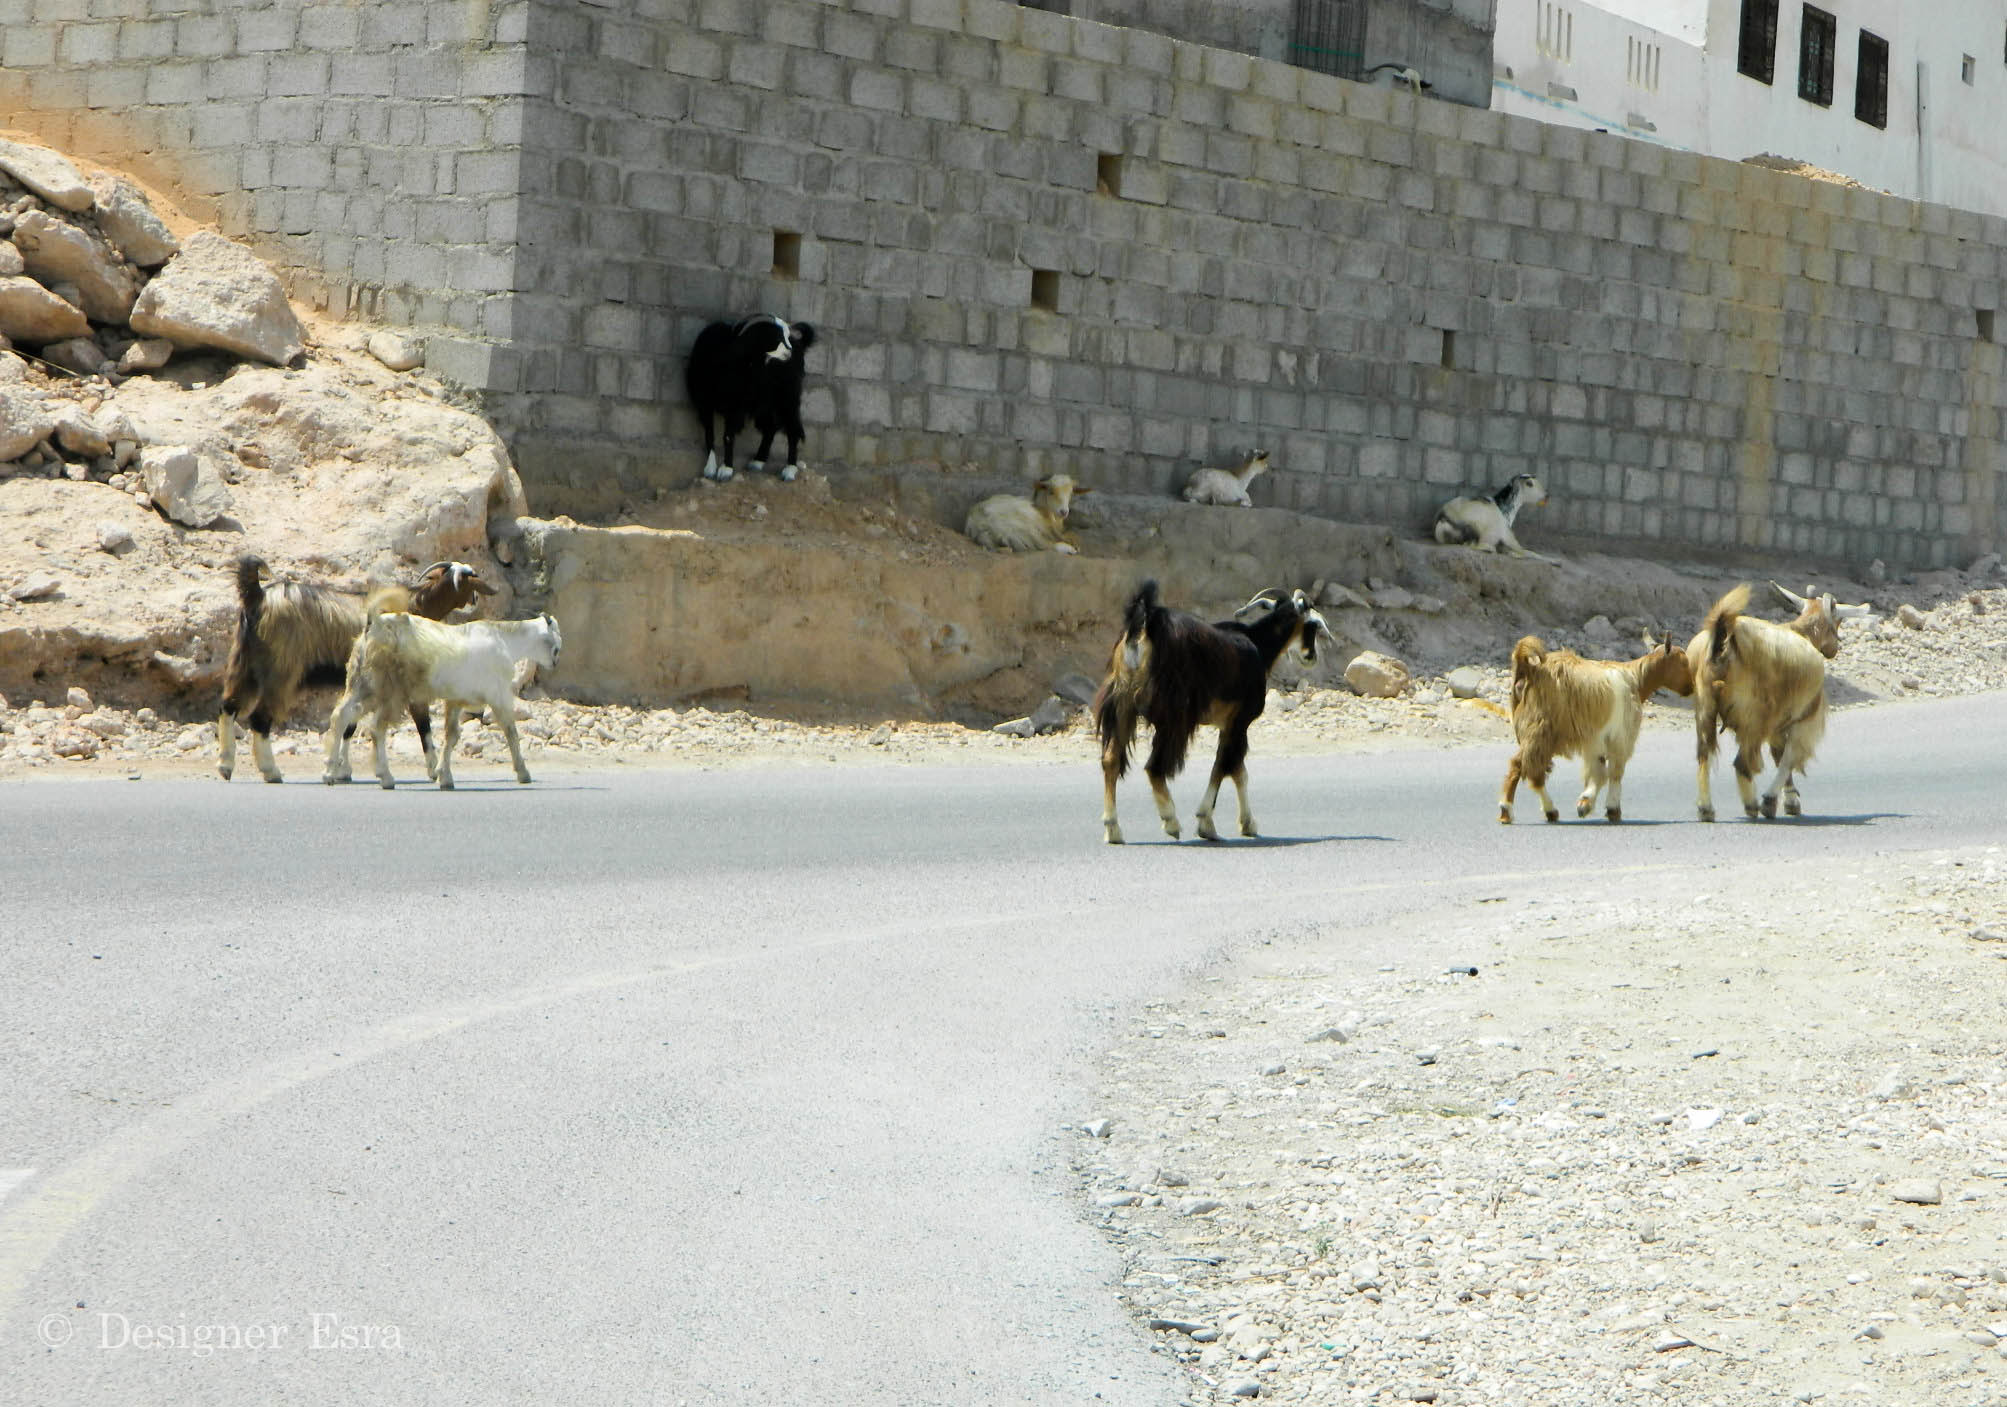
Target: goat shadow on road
<point>1865,818</point>
<point>1227,844</point>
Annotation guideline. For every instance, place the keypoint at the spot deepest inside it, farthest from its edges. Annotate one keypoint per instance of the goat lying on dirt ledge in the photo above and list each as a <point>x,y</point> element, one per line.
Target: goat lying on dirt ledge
<point>1566,706</point>
<point>1766,683</point>
<point>1227,487</point>
<point>402,659</point>
<point>1175,672</point>
<point>298,634</point>
<point>1013,524</point>
<point>1486,523</point>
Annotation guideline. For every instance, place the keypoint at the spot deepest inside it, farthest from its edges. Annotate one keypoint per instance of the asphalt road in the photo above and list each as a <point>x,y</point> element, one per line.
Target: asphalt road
<point>733,1087</point>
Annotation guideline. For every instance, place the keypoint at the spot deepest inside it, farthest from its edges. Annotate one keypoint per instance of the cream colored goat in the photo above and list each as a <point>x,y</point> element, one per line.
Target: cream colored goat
<point>1227,487</point>
<point>1013,524</point>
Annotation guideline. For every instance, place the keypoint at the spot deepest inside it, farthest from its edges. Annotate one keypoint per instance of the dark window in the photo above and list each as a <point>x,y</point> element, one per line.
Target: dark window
<point>1815,57</point>
<point>1756,53</point>
<point>1329,36</point>
<point>1871,81</point>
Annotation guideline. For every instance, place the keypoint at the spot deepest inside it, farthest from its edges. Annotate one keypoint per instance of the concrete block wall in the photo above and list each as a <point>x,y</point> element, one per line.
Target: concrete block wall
<point>369,149</point>
<point>1400,298</point>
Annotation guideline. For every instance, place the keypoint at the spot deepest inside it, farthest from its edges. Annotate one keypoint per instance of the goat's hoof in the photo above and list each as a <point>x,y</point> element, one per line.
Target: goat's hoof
<point>1553,818</point>
<point>445,784</point>
<point>1707,813</point>
<point>1613,816</point>
<point>224,773</point>
<point>1247,829</point>
<point>274,778</point>
<point>1504,816</point>
<point>388,785</point>
<point>523,778</point>
<point>1112,834</point>
<point>1793,807</point>
<point>1769,808</point>
<point>790,473</point>
<point>1584,807</point>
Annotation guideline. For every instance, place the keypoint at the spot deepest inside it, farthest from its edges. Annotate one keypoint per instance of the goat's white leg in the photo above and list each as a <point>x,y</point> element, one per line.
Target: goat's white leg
<point>505,714</point>
<point>444,776</point>
<point>1165,809</point>
<point>1204,819</point>
<point>1594,774</point>
<point>337,768</point>
<point>1789,760</point>
<point>379,726</point>
<point>261,749</point>
<point>1614,809</point>
<point>1748,762</point>
<point>226,745</point>
<point>1246,814</point>
<point>789,473</point>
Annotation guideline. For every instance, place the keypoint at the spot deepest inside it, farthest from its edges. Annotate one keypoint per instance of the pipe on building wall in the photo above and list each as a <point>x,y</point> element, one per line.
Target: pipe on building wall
<point>1922,131</point>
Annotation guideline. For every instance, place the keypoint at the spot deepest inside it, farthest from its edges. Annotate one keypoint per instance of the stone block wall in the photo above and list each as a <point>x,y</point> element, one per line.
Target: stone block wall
<point>369,149</point>
<point>1037,242</point>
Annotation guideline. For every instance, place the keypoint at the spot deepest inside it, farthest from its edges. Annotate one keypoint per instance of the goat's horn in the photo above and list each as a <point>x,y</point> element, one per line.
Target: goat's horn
<point>1793,597</point>
<point>434,567</point>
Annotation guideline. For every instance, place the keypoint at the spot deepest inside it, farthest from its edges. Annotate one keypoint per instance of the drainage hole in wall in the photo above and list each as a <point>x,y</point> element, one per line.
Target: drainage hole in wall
<point>787,254</point>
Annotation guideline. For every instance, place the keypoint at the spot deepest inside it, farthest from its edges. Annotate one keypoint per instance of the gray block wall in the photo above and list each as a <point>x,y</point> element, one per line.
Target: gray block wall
<point>1401,299</point>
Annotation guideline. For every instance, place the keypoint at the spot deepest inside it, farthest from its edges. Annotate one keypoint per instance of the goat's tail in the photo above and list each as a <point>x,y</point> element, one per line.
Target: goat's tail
<point>386,599</point>
<point>1719,627</point>
<point>1136,615</point>
<point>1527,656</point>
<point>250,589</point>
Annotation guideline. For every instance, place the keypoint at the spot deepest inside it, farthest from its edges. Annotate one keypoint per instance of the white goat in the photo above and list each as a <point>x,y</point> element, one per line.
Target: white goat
<point>1015,524</point>
<point>402,658</point>
<point>1486,523</point>
<point>1227,487</point>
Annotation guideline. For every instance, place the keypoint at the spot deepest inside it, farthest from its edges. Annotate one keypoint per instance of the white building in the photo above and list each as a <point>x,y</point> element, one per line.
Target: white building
<point>1907,96</point>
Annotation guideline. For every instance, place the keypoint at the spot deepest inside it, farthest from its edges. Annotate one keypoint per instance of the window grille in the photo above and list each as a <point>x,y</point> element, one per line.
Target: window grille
<point>1871,81</point>
<point>1815,57</point>
<point>1756,51</point>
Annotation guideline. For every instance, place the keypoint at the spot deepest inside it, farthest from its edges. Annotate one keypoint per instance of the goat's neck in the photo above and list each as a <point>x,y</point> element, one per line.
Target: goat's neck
<point>1507,500</point>
<point>1271,635</point>
<point>1644,673</point>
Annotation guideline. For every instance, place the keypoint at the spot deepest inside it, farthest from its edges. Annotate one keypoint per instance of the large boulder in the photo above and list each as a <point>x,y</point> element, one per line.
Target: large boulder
<point>184,485</point>
<point>25,420</point>
<point>129,222</point>
<point>57,251</point>
<point>215,294</point>
<point>30,314</point>
<point>46,173</point>
<point>1377,676</point>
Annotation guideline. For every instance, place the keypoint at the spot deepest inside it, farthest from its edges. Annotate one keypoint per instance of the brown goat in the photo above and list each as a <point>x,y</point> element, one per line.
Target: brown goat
<point>1766,683</point>
<point>294,635</point>
<point>1566,706</point>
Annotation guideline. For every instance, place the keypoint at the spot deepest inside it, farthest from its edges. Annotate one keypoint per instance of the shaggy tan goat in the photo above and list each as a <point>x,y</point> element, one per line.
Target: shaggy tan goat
<point>1015,524</point>
<point>1566,706</point>
<point>1766,683</point>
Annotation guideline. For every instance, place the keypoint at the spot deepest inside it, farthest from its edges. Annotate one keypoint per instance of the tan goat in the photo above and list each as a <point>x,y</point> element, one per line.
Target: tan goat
<point>1566,706</point>
<point>1013,524</point>
<point>1766,683</point>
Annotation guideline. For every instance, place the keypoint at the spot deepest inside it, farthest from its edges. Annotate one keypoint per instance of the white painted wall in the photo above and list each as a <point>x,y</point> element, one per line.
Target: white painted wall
<point>1956,156</point>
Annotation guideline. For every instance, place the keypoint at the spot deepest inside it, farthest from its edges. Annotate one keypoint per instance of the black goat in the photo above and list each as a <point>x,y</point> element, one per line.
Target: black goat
<point>1175,672</point>
<point>749,370</point>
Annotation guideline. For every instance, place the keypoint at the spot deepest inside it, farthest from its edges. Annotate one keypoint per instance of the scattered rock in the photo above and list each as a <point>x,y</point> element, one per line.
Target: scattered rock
<point>400,351</point>
<point>1199,1206</point>
<point>79,434</point>
<point>218,294</point>
<point>1336,597</point>
<point>1075,688</point>
<point>130,223</point>
<point>57,251</point>
<point>1918,1191</point>
<point>79,354</point>
<point>32,314</point>
<point>147,354</point>
<point>881,735</point>
<point>38,587</point>
<point>73,742</point>
<point>114,537</point>
<point>1376,675</point>
<point>1464,682</point>
<point>1910,616</point>
<point>184,485</point>
<point>25,420</point>
<point>1600,630</point>
<point>1877,573</point>
<point>1393,598</point>
<point>48,174</point>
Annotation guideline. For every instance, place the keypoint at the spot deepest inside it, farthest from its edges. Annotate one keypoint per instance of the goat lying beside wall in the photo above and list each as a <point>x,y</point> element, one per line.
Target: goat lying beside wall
<point>294,635</point>
<point>1013,524</point>
<point>400,660</point>
<point>1227,487</point>
<point>1766,683</point>
<point>1486,523</point>
<point>1566,706</point>
<point>1177,673</point>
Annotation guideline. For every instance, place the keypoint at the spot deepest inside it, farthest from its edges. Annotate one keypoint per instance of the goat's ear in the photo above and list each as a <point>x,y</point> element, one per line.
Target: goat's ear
<point>1081,490</point>
<point>474,580</point>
